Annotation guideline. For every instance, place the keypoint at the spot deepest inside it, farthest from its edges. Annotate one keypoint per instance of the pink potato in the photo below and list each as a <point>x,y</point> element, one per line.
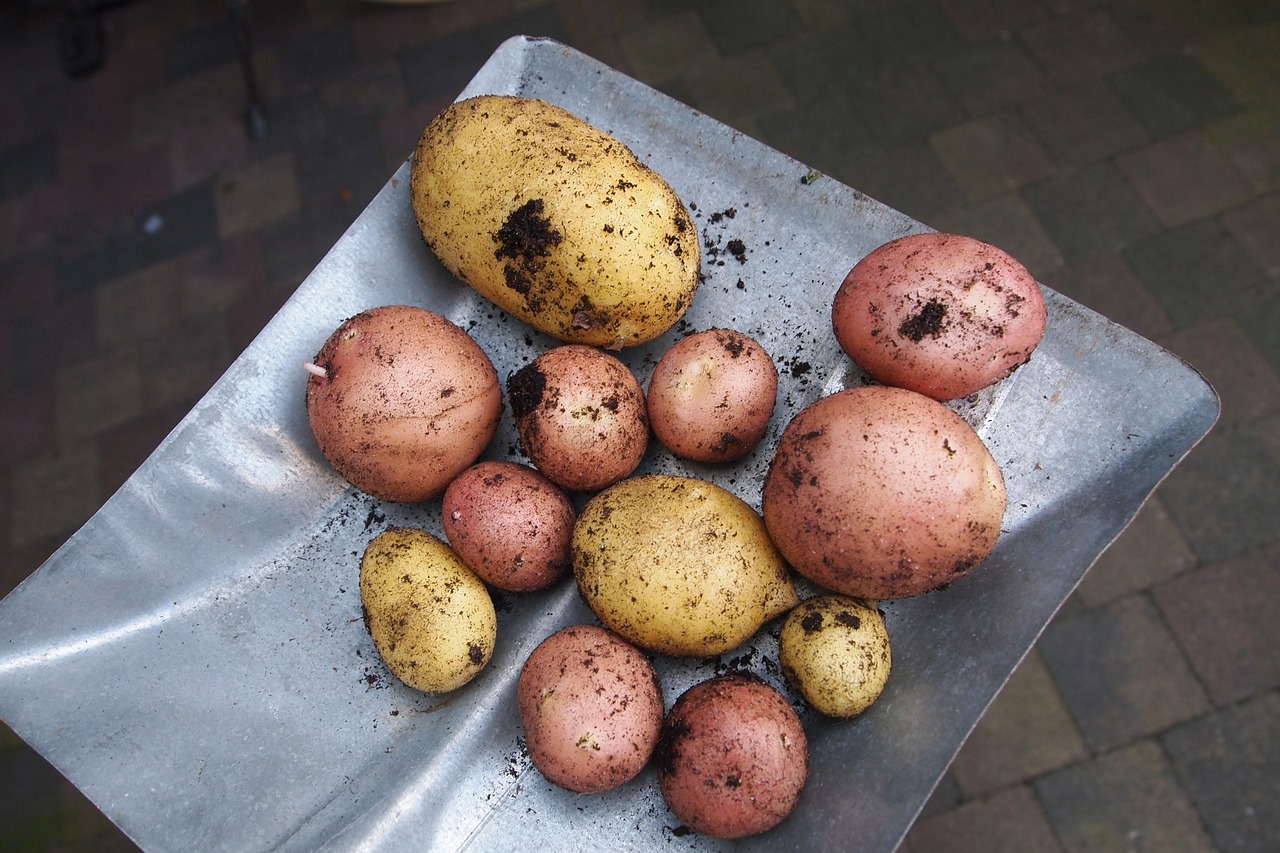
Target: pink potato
<point>882,493</point>
<point>941,314</point>
<point>401,401</point>
<point>591,707</point>
<point>581,416</point>
<point>733,757</point>
<point>509,524</point>
<point>711,396</point>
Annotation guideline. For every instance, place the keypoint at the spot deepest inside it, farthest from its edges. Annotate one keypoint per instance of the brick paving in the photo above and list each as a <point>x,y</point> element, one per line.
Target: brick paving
<point>1127,150</point>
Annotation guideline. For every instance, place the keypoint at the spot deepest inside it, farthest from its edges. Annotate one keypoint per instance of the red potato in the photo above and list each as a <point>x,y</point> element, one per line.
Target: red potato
<point>581,416</point>
<point>509,524</point>
<point>591,707</point>
<point>711,396</point>
<point>941,314</point>
<point>733,757</point>
<point>882,493</point>
<point>401,401</point>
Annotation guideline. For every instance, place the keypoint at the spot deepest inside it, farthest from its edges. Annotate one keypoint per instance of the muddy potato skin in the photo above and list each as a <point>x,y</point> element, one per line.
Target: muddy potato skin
<point>678,565</point>
<point>711,396</point>
<point>554,220</point>
<point>882,493</point>
<point>592,709</point>
<point>733,757</point>
<point>941,314</point>
<point>431,618</point>
<point>834,650</point>
<point>581,416</point>
<point>509,524</point>
<point>407,402</point>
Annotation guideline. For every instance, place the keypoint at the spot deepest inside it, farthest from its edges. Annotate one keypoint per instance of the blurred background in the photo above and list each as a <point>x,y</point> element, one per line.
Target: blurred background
<point>158,204</point>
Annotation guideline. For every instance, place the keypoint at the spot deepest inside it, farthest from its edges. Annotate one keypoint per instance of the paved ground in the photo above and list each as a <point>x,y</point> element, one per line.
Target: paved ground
<point>1127,150</point>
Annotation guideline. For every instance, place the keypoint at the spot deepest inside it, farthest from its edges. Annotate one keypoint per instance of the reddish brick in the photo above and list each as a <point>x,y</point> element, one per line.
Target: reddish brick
<point>122,449</point>
<point>197,153</point>
<point>26,421</point>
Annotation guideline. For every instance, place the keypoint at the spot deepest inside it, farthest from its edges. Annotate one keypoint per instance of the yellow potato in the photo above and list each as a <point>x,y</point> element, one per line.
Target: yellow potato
<point>555,221</point>
<point>431,618</point>
<point>834,649</point>
<point>678,565</point>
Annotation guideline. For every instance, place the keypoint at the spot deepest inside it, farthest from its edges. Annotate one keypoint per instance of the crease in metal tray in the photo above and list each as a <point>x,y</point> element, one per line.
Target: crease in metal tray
<point>193,659</point>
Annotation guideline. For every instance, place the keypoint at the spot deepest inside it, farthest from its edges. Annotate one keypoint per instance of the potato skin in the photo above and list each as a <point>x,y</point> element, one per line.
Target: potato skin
<point>678,565</point>
<point>733,757</point>
<point>592,709</point>
<point>941,314</point>
<point>834,650</point>
<point>581,416</point>
<point>408,401</point>
<point>711,396</point>
<point>431,618</point>
<point>882,493</point>
<point>509,524</point>
<point>555,221</point>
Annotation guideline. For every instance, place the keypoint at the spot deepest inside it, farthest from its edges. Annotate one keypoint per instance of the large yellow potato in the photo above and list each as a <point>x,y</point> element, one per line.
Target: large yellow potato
<point>431,618</point>
<point>678,565</point>
<point>554,220</point>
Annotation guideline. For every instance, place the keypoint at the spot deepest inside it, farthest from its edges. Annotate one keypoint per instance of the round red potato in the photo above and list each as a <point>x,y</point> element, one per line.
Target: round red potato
<point>581,416</point>
<point>401,401</point>
<point>941,314</point>
<point>509,524</point>
<point>711,396</point>
<point>733,757</point>
<point>881,493</point>
<point>591,707</point>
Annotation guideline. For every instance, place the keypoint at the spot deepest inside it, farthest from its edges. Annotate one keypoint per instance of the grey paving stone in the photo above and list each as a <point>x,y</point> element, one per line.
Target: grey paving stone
<point>992,155</point>
<point>738,90</point>
<point>1263,327</point>
<point>1084,123</point>
<point>1150,550</point>
<point>1255,226</point>
<point>1120,672</point>
<point>1246,384</point>
<point>1185,177</point>
<point>991,76</point>
<point>1199,271</point>
<point>199,48</point>
<point>738,26</point>
<point>1223,495</point>
<point>907,32</point>
<point>1090,211</point>
<point>817,133</point>
<point>1172,93</point>
<point>1126,800</point>
<point>95,395</point>
<point>1011,820</point>
<point>666,48</point>
<point>1245,60</point>
<point>1252,141</point>
<point>1083,44</point>
<point>53,494</point>
<point>1226,617</point>
<point>256,194</point>
<point>908,178</point>
<point>905,105</point>
<point>981,20</point>
<point>1025,733</point>
<point>1230,764</point>
<point>1109,286</point>
<point>314,55</point>
<point>823,64</point>
<point>27,164</point>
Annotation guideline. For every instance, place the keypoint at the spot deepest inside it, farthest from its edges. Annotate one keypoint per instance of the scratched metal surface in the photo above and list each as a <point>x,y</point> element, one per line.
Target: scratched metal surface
<point>194,661</point>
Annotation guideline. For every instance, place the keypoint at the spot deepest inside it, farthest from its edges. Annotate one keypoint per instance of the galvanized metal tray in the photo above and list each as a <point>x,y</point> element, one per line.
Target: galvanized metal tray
<point>194,660</point>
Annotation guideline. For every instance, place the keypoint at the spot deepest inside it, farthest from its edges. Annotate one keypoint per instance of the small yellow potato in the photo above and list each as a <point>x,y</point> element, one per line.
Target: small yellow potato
<point>555,221</point>
<point>834,649</point>
<point>678,565</point>
<point>431,618</point>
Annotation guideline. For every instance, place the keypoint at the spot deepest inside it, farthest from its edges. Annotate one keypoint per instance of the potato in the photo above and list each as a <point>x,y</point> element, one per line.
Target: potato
<point>581,416</point>
<point>835,651</point>
<point>509,524</point>
<point>431,618</point>
<point>733,757</point>
<point>678,565</point>
<point>591,707</point>
<point>555,221</point>
<point>711,396</point>
<point>941,314</point>
<point>401,400</point>
<point>880,493</point>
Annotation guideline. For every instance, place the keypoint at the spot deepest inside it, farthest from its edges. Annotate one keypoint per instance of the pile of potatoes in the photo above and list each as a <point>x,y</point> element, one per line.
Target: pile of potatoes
<point>873,493</point>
